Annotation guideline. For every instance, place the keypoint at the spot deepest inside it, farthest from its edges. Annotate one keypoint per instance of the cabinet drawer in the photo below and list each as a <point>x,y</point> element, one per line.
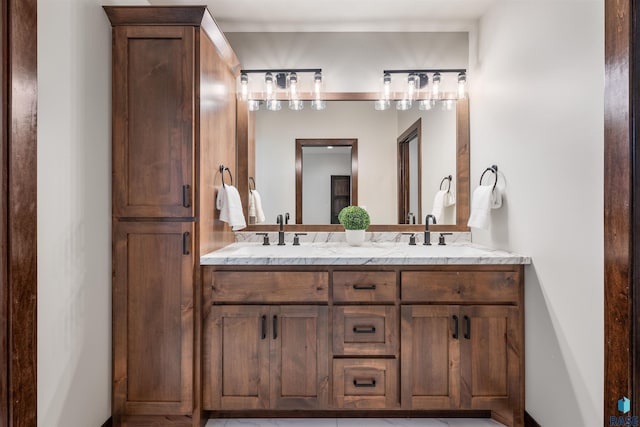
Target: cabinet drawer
<point>364,286</point>
<point>270,286</point>
<point>362,331</point>
<point>463,286</point>
<point>365,383</point>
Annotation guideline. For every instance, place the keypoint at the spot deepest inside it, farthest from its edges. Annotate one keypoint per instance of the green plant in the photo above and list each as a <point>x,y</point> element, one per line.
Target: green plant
<point>354,218</point>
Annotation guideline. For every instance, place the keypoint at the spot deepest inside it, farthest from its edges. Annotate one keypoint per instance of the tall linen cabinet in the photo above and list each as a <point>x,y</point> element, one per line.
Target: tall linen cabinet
<point>174,123</point>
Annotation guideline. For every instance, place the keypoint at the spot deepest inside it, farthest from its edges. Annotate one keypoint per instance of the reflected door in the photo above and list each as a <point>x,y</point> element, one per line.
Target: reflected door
<point>340,195</point>
<point>409,176</point>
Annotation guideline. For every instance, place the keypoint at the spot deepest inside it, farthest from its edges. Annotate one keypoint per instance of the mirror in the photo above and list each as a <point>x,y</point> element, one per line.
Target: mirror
<point>437,146</point>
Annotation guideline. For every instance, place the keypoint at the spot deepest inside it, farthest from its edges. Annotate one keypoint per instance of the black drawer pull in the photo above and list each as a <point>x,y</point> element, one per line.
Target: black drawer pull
<point>264,327</point>
<point>186,196</point>
<point>364,329</point>
<point>364,287</point>
<point>455,327</point>
<point>364,383</point>
<point>185,243</point>
<point>467,332</point>
<point>275,326</point>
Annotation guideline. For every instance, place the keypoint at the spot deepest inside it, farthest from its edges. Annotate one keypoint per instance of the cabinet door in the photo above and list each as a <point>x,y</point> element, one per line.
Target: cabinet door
<point>153,116</point>
<point>153,318</point>
<point>239,358</point>
<point>430,347</point>
<point>299,357</point>
<point>491,351</point>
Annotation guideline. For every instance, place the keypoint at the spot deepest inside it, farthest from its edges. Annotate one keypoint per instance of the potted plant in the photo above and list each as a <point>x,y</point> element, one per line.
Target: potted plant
<point>355,221</point>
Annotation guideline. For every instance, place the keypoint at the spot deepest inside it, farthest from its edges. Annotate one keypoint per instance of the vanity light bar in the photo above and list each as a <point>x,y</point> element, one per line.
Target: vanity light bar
<point>417,88</point>
<point>280,78</point>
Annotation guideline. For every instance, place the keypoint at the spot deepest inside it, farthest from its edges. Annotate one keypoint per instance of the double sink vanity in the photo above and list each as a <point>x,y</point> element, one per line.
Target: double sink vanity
<point>211,323</point>
<point>381,327</point>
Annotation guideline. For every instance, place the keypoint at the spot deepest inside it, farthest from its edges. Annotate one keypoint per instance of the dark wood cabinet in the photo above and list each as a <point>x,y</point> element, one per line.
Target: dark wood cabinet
<point>403,339</point>
<point>430,366</point>
<point>153,317</point>
<point>170,133</point>
<point>266,357</point>
<point>153,114</point>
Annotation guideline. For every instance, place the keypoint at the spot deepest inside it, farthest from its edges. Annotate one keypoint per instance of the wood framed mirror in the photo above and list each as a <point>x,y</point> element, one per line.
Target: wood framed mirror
<point>249,151</point>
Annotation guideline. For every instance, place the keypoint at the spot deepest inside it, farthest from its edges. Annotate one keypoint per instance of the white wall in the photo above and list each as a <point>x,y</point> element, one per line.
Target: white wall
<point>316,183</point>
<point>276,133</point>
<point>74,213</point>
<point>537,112</point>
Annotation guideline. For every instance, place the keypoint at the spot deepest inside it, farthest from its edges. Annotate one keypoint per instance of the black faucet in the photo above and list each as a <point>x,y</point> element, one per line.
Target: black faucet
<point>427,233</point>
<point>280,221</point>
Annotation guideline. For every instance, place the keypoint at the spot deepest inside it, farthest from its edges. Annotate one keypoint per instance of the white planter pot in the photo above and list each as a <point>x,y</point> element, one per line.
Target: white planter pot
<point>354,237</point>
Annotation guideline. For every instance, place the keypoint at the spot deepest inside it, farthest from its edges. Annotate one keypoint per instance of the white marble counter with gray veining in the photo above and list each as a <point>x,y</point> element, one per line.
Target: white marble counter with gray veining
<point>370,253</point>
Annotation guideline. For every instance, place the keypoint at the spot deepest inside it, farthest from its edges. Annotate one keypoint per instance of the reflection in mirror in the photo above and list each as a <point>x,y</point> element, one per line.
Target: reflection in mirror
<point>326,173</point>
<point>377,183</point>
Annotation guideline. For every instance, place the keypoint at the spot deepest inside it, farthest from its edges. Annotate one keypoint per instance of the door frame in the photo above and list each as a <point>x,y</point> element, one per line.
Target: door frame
<point>621,207</point>
<point>413,131</point>
<point>18,214</point>
<point>319,142</point>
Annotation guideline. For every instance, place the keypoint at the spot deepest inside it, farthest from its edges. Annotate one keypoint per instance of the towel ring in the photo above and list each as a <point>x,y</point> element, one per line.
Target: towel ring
<point>222,169</point>
<point>443,180</point>
<point>494,169</point>
<point>254,183</point>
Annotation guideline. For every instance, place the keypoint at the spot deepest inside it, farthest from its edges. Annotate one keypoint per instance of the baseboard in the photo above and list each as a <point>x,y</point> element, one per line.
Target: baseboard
<point>108,423</point>
<point>529,421</point>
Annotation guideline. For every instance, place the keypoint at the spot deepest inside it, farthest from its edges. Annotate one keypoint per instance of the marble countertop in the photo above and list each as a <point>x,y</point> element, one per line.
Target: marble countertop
<point>374,253</point>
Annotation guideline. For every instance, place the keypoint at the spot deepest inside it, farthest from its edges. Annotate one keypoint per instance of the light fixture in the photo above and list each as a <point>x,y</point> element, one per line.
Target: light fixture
<point>294,102</point>
<point>317,103</point>
<point>423,87</point>
<point>277,82</point>
<point>244,86</point>
<point>462,85</point>
<point>385,99</point>
<point>435,87</point>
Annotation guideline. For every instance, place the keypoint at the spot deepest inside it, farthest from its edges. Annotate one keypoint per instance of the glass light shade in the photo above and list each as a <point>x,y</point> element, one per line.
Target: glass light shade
<point>425,104</point>
<point>274,105</point>
<point>382,104</point>
<point>435,86</point>
<point>253,104</point>
<point>244,86</point>
<point>296,104</point>
<point>318,104</point>
<point>462,85</point>
<point>403,104</point>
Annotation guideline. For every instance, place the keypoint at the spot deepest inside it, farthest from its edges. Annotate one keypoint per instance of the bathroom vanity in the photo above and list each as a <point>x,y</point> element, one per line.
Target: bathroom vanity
<point>383,327</point>
<point>205,327</point>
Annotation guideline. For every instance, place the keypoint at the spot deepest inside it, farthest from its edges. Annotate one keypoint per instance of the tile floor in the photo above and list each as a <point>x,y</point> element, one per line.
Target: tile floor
<point>354,422</point>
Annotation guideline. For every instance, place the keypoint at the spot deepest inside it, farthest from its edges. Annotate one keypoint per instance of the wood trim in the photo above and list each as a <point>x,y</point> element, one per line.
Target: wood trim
<point>618,228</point>
<point>198,16</point>
<point>415,130</point>
<point>4,241</point>
<point>463,157</point>
<point>360,413</point>
<point>319,142</point>
<point>19,238</point>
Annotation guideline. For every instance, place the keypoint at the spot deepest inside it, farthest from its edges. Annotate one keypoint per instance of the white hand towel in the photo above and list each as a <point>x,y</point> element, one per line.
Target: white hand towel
<point>449,199</point>
<point>481,202</point>
<point>260,218</point>
<point>438,205</point>
<point>230,206</point>
<point>252,208</point>
<point>496,198</point>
